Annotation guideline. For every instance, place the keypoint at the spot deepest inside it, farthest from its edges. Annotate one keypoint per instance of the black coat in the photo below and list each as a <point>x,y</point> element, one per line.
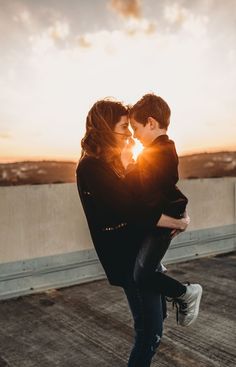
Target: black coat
<point>116,220</point>
<point>154,177</point>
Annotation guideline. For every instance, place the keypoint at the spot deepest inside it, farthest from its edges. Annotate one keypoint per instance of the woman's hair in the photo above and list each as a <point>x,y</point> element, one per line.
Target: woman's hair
<point>153,106</point>
<point>99,140</point>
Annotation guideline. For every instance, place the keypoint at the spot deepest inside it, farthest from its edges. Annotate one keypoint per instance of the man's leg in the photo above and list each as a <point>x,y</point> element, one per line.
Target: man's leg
<point>147,261</point>
<point>146,308</point>
<point>186,297</point>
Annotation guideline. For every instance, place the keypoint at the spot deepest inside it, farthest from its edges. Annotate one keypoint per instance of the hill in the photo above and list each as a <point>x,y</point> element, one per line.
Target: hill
<point>203,165</point>
<point>208,165</point>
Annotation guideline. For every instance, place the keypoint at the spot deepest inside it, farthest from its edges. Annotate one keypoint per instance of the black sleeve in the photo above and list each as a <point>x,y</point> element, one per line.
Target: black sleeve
<point>144,182</point>
<point>111,190</point>
<point>154,174</point>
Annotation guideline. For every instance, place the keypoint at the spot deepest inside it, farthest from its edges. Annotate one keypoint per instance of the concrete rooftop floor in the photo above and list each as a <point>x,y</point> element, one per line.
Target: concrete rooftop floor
<point>89,325</point>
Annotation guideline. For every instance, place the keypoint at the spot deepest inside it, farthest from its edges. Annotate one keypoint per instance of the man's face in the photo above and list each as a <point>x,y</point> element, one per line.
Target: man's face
<point>141,132</point>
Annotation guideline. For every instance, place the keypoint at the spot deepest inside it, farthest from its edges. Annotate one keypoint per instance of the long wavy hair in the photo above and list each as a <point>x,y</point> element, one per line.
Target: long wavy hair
<point>99,139</point>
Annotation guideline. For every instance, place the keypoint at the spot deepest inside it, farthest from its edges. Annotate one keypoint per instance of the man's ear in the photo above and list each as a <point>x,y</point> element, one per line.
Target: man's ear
<point>152,122</point>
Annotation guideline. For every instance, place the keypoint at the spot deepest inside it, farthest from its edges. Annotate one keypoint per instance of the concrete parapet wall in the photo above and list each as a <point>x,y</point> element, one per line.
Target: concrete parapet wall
<point>45,242</point>
<point>212,202</point>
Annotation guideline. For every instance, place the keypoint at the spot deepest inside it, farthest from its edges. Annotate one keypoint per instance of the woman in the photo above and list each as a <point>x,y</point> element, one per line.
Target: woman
<point>117,222</point>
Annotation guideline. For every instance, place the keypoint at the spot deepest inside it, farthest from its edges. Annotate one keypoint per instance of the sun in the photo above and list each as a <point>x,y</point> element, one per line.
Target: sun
<point>137,148</point>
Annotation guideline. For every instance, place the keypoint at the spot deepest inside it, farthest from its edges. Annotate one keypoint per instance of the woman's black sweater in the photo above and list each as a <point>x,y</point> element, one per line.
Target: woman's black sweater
<point>115,219</point>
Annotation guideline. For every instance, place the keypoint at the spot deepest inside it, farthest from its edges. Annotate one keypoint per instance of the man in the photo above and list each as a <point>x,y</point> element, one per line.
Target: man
<point>153,180</point>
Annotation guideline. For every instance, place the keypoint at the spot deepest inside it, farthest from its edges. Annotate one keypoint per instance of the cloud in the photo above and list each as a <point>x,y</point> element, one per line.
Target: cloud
<point>138,26</point>
<point>23,17</point>
<point>131,11</point>
<point>53,36</point>
<point>72,65</point>
<point>41,43</point>
<point>59,30</point>
<point>175,14</point>
<point>83,41</point>
<point>5,135</point>
<point>127,8</point>
<point>186,20</point>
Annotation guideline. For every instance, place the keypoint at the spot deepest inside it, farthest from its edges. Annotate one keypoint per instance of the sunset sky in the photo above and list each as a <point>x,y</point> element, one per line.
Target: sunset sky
<point>59,56</point>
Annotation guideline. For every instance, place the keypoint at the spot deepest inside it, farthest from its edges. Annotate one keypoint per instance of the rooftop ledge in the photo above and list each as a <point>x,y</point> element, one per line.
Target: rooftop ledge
<point>45,242</point>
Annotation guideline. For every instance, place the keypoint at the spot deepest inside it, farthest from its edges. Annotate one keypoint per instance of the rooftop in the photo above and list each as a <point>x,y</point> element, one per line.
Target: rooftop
<point>89,325</point>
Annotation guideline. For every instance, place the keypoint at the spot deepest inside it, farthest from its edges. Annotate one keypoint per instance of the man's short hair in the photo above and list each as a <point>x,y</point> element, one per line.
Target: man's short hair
<point>153,106</point>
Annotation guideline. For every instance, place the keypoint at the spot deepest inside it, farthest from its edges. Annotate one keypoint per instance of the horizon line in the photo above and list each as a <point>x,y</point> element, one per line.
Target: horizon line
<point>5,160</point>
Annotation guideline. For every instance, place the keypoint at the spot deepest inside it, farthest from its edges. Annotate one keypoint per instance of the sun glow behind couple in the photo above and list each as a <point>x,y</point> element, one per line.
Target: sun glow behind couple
<point>59,68</point>
<point>137,149</point>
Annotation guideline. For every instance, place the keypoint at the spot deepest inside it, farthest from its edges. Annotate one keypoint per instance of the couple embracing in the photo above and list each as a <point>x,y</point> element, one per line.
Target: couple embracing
<point>134,209</point>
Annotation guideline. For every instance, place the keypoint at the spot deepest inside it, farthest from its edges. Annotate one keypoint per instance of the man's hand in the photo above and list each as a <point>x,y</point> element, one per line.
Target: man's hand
<point>184,224</point>
<point>173,223</point>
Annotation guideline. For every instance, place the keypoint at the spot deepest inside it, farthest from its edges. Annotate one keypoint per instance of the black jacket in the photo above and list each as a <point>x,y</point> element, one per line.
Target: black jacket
<point>154,177</point>
<point>115,218</point>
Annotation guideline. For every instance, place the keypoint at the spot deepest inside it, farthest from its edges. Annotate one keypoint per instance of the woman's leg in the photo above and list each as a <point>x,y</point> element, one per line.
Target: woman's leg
<point>147,262</point>
<point>146,308</point>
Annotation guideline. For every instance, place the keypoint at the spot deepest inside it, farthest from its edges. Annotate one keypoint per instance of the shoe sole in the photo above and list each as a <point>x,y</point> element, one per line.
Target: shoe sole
<point>197,307</point>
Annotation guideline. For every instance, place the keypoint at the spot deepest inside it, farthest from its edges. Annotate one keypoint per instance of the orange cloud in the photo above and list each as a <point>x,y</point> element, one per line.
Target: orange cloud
<point>127,8</point>
<point>84,42</point>
<point>135,27</point>
<point>59,30</point>
<point>5,135</point>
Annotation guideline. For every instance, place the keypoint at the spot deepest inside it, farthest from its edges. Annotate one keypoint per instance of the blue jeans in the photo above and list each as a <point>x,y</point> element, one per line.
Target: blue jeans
<point>147,307</point>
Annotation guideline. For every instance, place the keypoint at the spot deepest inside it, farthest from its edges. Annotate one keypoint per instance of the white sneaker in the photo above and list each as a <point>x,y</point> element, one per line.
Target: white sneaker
<point>161,268</point>
<point>187,305</point>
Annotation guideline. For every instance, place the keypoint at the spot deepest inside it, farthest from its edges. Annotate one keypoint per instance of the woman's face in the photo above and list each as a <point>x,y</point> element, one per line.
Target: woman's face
<point>122,132</point>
